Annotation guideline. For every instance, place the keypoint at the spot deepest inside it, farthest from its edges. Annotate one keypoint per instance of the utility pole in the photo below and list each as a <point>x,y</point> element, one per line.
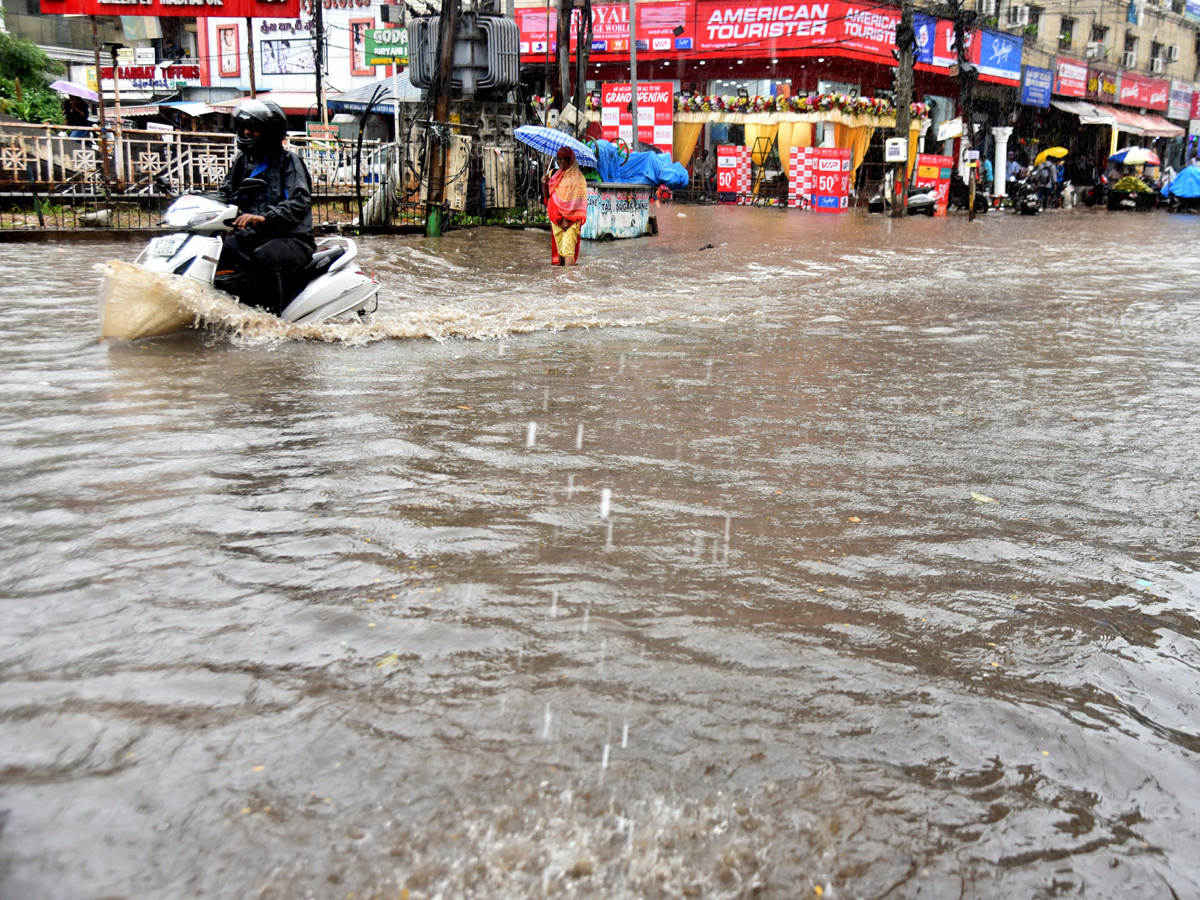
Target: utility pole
<point>966,89</point>
<point>442,86</point>
<point>250,54</point>
<point>319,57</point>
<point>118,154</point>
<point>633,145</point>
<point>583,49</point>
<point>562,53</point>
<point>905,41</point>
<point>103,123</point>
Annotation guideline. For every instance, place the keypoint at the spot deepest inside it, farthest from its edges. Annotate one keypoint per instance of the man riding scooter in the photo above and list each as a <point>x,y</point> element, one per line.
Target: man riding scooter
<point>274,240</point>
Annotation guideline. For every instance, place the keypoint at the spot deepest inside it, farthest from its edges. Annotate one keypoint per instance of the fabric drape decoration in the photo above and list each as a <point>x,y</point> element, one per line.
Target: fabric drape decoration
<point>759,139</point>
<point>856,140</point>
<point>914,135</point>
<point>683,141</point>
<point>793,134</point>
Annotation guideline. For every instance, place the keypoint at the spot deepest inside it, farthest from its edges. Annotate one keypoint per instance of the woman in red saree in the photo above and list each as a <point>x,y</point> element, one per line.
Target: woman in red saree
<point>565,193</point>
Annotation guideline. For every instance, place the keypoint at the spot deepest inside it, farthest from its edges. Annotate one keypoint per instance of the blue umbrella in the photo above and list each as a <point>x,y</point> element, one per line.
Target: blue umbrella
<point>549,140</point>
<point>1186,184</point>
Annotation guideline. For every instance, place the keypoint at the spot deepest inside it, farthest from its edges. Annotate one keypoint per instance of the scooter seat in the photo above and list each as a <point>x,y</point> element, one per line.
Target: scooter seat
<point>323,259</point>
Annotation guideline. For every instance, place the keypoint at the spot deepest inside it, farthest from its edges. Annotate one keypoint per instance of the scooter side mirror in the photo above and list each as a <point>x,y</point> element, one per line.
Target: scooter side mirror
<point>251,186</point>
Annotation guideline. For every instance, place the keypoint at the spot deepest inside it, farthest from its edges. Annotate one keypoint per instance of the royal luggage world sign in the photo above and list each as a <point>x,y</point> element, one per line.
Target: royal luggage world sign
<point>258,9</point>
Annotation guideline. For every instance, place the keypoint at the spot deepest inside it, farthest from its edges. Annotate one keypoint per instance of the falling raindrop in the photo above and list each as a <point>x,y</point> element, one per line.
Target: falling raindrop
<point>587,614</point>
<point>728,519</point>
<point>714,551</point>
<point>604,757</point>
<point>546,724</point>
<point>554,604</point>
<point>570,486</point>
<point>579,436</point>
<point>621,367</point>
<point>545,399</point>
<point>608,536</point>
<point>603,653</point>
<point>625,736</point>
<point>500,348</point>
<point>708,364</point>
<point>531,434</point>
<point>605,502</point>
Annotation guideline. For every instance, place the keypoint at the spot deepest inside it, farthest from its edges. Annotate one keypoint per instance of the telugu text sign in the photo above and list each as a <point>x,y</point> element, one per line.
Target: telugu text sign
<point>1070,78</point>
<point>259,9</point>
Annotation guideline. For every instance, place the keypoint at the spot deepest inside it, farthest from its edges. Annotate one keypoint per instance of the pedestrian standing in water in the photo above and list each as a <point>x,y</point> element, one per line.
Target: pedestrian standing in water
<point>565,194</point>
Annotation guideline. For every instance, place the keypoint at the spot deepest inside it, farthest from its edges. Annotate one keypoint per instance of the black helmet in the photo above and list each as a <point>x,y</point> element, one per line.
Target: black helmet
<point>267,119</point>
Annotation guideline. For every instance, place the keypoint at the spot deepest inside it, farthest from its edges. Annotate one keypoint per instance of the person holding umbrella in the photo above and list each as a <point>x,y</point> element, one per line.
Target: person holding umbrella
<point>565,194</point>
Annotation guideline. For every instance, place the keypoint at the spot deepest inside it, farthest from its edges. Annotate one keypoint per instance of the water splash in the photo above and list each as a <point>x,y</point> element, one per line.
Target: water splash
<point>531,434</point>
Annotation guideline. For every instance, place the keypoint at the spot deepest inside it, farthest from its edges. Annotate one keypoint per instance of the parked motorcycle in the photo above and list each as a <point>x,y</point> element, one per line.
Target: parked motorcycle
<point>960,195</point>
<point>921,201</point>
<point>1024,196</point>
<point>333,284</point>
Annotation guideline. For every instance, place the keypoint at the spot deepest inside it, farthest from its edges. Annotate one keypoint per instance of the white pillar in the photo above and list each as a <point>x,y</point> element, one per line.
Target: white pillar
<point>1000,134</point>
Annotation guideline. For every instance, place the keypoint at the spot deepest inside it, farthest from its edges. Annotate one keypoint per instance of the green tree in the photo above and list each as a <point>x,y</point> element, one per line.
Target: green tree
<point>21,62</point>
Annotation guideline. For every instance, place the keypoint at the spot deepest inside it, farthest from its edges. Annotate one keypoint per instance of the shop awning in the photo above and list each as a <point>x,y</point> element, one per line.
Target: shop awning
<point>294,103</point>
<point>1157,126</point>
<point>357,100</point>
<point>1129,122</point>
<point>153,109</point>
<point>1088,114</point>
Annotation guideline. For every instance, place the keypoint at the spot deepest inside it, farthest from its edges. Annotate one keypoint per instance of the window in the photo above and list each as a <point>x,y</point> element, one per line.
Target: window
<point>1178,6</point>
<point>1100,35</point>
<point>1129,59</point>
<point>1156,50</point>
<point>1066,33</point>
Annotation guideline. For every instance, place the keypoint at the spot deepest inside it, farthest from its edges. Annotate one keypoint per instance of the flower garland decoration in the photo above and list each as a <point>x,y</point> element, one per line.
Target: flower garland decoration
<point>872,106</point>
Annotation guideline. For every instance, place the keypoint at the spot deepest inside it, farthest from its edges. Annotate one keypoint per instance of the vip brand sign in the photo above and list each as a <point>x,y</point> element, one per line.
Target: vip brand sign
<point>1036,86</point>
<point>1148,93</point>
<point>259,9</point>
<point>830,179</point>
<point>998,55</point>
<point>1180,106</point>
<point>1101,86</point>
<point>656,113</point>
<point>934,172</point>
<point>1070,78</point>
<point>945,47</point>
<point>386,46</point>
<point>656,27</point>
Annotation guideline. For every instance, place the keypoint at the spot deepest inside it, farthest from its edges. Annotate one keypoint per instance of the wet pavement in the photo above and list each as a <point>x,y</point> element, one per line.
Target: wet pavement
<point>846,557</point>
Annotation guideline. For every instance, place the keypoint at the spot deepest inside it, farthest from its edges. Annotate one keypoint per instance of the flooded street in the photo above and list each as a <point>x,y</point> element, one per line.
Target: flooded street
<point>845,558</point>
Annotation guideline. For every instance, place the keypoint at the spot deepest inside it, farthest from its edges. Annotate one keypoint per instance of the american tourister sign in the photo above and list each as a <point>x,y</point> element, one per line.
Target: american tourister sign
<point>259,9</point>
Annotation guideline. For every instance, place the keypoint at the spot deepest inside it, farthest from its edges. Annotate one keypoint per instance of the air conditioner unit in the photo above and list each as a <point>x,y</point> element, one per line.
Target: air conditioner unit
<point>1094,50</point>
<point>1156,66</point>
<point>1172,53</point>
<point>1129,59</point>
<point>1018,16</point>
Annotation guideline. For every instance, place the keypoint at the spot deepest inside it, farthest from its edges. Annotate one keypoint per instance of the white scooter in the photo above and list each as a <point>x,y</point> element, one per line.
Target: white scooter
<point>334,284</point>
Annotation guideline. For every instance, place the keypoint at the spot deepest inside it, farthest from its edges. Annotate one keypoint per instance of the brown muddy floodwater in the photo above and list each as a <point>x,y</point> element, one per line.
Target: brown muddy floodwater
<point>708,598</point>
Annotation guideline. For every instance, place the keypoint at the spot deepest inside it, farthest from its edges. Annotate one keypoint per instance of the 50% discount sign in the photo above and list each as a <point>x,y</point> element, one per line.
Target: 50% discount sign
<point>387,46</point>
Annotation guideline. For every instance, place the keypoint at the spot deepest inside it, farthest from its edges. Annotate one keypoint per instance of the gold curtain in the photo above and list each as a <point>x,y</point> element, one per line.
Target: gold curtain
<point>856,140</point>
<point>759,150</point>
<point>683,142</point>
<point>914,134</point>
<point>793,134</point>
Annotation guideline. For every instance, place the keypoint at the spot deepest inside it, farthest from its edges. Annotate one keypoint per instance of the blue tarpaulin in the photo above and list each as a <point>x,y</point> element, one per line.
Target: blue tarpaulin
<point>1186,184</point>
<point>641,168</point>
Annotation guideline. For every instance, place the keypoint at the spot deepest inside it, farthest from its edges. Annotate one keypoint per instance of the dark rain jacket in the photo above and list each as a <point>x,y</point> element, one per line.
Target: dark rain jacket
<point>286,204</point>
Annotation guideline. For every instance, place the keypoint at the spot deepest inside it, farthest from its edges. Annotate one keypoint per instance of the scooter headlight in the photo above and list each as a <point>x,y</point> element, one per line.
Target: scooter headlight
<point>203,218</point>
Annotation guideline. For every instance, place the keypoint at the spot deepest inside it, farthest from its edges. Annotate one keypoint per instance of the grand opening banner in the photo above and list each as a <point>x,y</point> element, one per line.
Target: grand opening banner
<point>258,9</point>
<point>656,112</point>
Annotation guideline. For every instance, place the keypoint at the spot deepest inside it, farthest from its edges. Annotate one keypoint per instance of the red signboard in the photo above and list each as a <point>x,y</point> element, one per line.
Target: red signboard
<point>1070,78</point>
<point>945,45</point>
<point>1147,93</point>
<point>768,26</point>
<point>656,113</point>
<point>259,9</point>
<point>1195,104</point>
<point>934,172</point>
<point>1101,86</point>
<point>829,179</point>
<point>657,25</point>
<point>733,173</point>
